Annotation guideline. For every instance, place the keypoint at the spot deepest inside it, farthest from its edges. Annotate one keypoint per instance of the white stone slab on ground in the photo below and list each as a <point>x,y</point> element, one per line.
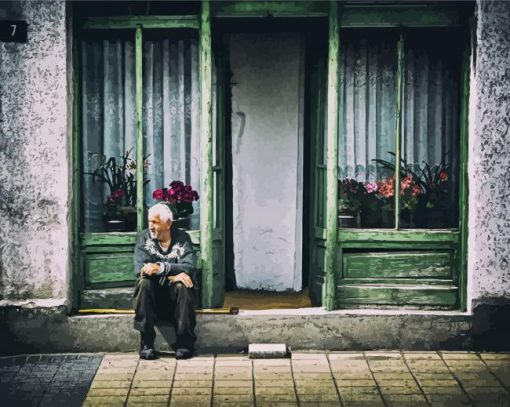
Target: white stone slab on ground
<point>267,350</point>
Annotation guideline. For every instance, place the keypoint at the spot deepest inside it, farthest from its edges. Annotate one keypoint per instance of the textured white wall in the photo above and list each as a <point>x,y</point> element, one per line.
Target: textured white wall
<point>34,163</point>
<point>266,95</point>
<point>489,155</point>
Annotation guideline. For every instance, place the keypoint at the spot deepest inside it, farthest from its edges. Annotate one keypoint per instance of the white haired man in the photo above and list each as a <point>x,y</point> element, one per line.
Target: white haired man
<point>165,266</point>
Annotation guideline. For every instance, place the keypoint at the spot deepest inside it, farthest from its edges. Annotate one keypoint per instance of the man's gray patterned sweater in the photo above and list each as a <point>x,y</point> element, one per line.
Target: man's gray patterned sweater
<point>178,258</point>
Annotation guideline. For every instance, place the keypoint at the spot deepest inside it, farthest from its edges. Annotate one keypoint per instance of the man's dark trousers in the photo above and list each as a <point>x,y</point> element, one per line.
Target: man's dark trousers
<point>171,302</point>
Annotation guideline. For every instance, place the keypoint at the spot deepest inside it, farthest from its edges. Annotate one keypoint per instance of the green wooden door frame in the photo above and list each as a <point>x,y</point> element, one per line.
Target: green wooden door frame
<point>77,275</point>
<point>332,159</point>
<point>206,131</point>
<point>139,133</point>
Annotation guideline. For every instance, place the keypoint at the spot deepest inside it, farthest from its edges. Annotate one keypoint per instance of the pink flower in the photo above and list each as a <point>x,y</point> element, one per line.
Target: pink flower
<point>370,187</point>
<point>406,183</point>
<point>172,193</point>
<point>385,187</point>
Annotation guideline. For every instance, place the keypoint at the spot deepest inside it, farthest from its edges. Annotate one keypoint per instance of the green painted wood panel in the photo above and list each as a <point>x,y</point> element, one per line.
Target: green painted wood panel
<point>78,278</point>
<point>464,186</point>
<point>109,267</point>
<point>398,126</point>
<point>403,236</point>
<point>316,278</point>
<point>218,274</point>
<point>269,8</point>
<point>432,296</point>
<point>109,249</point>
<point>400,16</point>
<point>147,22</point>
<point>140,221</point>
<point>108,239</point>
<point>395,264</point>
<point>398,282</point>
<point>206,207</point>
<point>397,246</point>
<point>218,233</point>
<point>332,158</point>
<point>123,238</point>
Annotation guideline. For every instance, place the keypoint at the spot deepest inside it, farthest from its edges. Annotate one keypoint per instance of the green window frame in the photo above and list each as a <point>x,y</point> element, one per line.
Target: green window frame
<point>91,252</point>
<point>341,242</point>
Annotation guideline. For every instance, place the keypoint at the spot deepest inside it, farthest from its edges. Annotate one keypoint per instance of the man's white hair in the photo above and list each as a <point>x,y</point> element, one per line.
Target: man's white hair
<point>164,212</point>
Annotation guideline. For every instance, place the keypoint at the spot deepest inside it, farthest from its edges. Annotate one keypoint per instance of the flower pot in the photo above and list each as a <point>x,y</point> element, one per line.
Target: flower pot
<point>113,225</point>
<point>123,219</point>
<point>370,219</point>
<point>436,219</point>
<point>407,219</point>
<point>182,222</point>
<point>346,221</point>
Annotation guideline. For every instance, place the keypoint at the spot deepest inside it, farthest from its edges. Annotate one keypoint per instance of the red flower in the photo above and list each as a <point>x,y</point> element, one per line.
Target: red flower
<point>188,188</point>
<point>443,175</point>
<point>177,185</point>
<point>416,190</point>
<point>187,196</point>
<point>118,193</point>
<point>159,194</point>
<point>172,193</point>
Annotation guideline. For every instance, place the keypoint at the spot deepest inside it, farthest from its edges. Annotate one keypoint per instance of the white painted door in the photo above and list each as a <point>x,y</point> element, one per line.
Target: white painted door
<point>267,140</point>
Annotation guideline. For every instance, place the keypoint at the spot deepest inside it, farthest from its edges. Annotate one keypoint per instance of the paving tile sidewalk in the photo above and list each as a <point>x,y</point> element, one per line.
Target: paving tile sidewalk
<point>46,380</point>
<point>389,378</point>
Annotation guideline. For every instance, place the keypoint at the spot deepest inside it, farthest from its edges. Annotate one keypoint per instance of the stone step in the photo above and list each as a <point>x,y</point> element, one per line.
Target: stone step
<point>51,329</point>
<point>118,298</point>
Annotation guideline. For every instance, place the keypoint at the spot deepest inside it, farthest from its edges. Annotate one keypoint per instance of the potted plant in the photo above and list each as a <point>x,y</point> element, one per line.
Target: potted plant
<point>179,197</point>
<point>386,208</point>
<point>372,204</point>
<point>120,177</point>
<point>433,205</point>
<point>349,202</point>
<point>424,192</point>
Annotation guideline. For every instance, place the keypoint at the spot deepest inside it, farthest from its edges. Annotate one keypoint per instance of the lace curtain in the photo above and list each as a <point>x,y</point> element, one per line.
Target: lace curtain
<point>368,102</point>
<point>430,125</point>
<point>170,114</point>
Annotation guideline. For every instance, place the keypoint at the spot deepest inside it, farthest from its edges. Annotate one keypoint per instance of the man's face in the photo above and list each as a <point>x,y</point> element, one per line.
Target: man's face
<point>157,228</point>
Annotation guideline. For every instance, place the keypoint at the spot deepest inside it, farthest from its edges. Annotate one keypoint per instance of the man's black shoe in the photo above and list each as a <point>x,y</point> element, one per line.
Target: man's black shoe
<point>147,346</point>
<point>183,353</point>
<point>148,353</point>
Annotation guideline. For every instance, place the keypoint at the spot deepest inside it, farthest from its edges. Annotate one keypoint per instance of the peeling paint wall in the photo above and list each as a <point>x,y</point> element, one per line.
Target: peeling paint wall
<point>34,165</point>
<point>489,155</point>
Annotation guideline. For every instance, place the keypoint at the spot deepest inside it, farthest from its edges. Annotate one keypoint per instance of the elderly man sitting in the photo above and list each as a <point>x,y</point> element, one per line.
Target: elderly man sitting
<point>165,289</point>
